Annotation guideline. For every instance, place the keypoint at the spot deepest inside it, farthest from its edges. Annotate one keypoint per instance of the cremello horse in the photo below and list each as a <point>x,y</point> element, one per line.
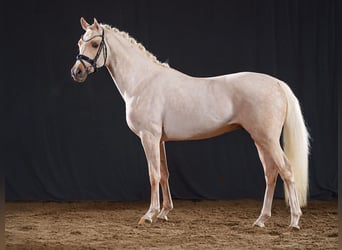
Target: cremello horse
<point>163,104</point>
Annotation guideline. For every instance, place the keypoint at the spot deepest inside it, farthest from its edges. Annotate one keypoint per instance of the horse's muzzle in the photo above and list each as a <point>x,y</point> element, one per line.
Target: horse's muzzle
<point>78,73</point>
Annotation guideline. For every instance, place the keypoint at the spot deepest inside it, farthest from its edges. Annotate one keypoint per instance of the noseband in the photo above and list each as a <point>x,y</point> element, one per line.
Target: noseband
<point>93,62</point>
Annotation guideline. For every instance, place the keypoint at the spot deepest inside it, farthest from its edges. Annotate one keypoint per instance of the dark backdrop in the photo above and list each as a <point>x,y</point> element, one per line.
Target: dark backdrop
<point>65,141</point>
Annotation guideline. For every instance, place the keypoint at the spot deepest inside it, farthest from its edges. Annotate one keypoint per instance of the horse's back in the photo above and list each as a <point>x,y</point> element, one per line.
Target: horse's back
<point>201,107</point>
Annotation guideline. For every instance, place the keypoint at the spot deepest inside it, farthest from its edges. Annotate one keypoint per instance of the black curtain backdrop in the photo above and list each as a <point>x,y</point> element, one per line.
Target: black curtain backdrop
<point>65,141</point>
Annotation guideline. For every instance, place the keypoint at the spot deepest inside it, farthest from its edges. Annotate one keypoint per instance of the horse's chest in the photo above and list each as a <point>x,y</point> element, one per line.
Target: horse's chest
<point>133,119</point>
<point>140,117</point>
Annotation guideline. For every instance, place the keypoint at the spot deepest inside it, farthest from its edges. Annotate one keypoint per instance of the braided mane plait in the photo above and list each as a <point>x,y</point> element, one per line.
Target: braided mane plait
<point>136,44</point>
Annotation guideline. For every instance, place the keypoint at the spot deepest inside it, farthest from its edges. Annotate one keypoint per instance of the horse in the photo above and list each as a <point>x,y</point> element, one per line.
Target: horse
<point>163,104</point>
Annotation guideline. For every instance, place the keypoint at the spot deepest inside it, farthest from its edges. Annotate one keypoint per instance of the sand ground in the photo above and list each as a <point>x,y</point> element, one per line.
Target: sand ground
<point>191,225</point>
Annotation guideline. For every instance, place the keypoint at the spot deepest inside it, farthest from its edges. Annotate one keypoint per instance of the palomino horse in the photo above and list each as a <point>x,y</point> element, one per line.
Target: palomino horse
<point>163,104</point>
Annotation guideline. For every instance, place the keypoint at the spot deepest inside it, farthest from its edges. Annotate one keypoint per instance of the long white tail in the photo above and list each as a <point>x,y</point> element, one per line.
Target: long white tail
<point>296,146</point>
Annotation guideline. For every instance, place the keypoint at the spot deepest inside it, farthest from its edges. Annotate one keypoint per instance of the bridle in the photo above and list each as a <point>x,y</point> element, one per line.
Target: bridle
<point>93,62</point>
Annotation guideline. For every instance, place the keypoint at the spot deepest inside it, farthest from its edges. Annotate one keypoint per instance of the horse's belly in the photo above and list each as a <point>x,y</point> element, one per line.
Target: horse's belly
<point>176,136</point>
<point>190,127</point>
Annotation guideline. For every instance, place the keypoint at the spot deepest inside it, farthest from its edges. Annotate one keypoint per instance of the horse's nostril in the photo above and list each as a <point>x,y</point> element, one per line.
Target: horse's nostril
<point>78,72</point>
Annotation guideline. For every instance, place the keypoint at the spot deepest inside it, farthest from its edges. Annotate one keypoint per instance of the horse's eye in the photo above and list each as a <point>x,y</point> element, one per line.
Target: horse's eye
<point>94,45</point>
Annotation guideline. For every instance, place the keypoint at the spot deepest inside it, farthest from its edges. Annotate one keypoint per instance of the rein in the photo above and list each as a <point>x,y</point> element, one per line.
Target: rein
<point>93,61</point>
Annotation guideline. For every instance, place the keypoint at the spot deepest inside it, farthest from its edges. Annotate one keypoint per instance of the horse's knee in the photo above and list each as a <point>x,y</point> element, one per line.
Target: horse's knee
<point>164,172</point>
<point>155,179</point>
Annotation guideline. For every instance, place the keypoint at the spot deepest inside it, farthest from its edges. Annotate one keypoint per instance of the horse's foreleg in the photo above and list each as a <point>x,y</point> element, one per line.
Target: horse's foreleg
<point>271,173</point>
<point>151,143</point>
<point>164,182</point>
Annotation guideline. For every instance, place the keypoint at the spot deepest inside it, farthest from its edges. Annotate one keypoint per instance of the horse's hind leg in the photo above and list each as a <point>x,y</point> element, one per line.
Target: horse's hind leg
<point>164,183</point>
<point>274,157</point>
<point>286,173</point>
<point>271,173</point>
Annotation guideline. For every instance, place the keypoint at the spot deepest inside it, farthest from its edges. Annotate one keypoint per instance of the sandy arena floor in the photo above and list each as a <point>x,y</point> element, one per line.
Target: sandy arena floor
<point>191,225</point>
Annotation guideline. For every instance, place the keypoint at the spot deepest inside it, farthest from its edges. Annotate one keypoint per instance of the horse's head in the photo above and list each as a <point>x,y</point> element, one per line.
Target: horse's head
<point>92,51</point>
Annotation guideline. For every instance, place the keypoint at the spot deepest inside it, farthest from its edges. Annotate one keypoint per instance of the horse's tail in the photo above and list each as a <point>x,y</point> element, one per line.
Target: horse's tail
<point>296,146</point>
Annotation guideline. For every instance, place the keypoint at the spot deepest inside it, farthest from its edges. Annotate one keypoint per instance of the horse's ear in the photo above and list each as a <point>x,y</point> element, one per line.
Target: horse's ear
<point>96,24</point>
<point>84,24</point>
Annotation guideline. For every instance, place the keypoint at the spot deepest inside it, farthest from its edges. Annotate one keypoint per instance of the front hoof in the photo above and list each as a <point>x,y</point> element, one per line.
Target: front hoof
<point>145,220</point>
<point>294,228</point>
<point>162,218</point>
<point>260,222</point>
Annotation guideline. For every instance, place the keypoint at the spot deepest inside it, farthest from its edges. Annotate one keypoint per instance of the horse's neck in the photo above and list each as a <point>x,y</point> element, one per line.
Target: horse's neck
<point>127,65</point>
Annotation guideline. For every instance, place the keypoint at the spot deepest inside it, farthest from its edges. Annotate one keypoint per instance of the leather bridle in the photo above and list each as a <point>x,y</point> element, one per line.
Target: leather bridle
<point>93,62</point>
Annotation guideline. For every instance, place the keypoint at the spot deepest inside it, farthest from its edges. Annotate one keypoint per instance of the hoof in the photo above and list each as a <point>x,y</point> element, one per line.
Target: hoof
<point>162,218</point>
<point>144,220</point>
<point>294,228</point>
<point>258,224</point>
